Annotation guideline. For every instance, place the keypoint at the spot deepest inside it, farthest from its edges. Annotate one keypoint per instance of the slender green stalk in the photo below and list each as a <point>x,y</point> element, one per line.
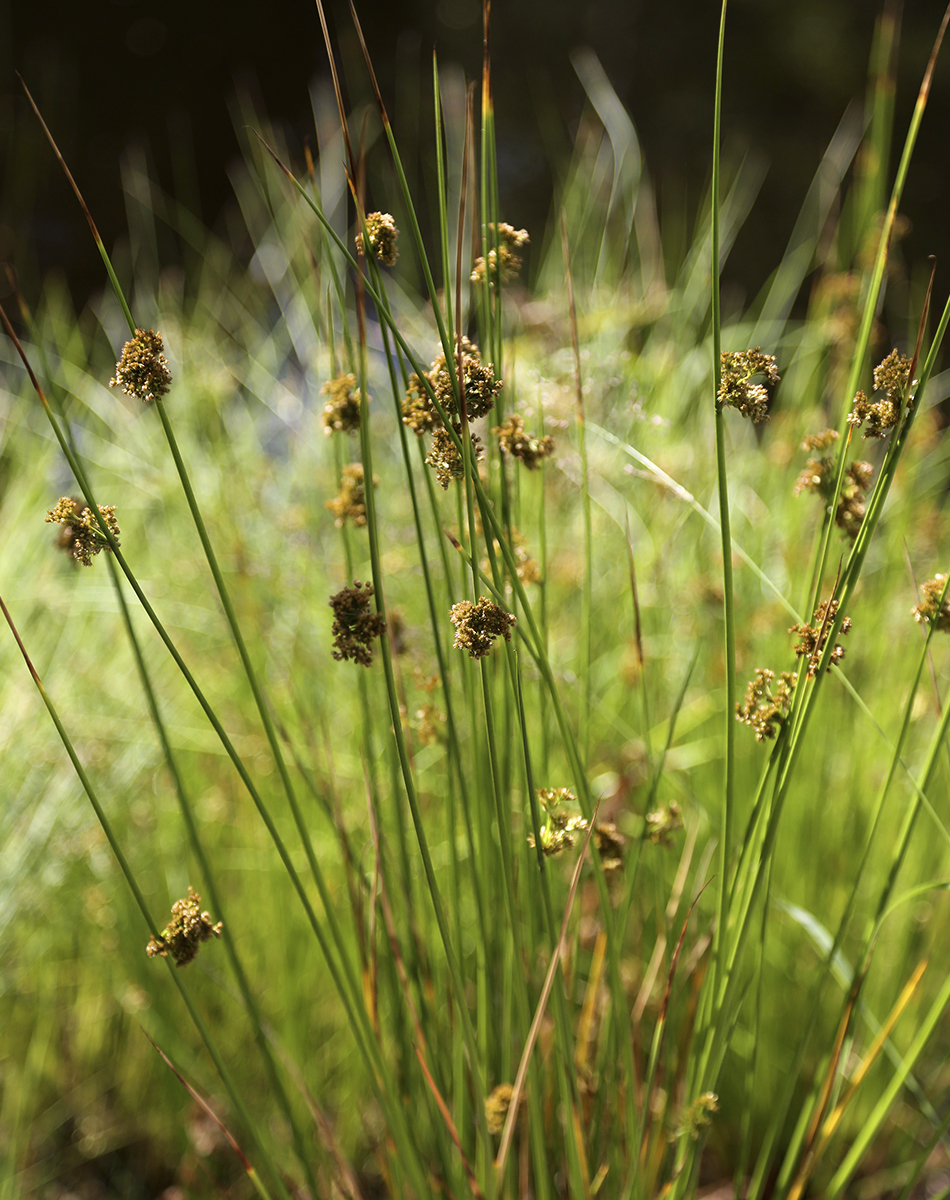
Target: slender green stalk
<point>728,587</point>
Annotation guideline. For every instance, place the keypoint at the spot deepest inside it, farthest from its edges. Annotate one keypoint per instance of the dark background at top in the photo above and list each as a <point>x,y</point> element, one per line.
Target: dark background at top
<point>111,72</point>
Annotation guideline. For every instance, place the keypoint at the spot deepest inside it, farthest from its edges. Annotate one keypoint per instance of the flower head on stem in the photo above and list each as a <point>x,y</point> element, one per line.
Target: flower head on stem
<point>182,936</point>
<point>381,234</point>
<point>81,536</point>
<point>763,710</point>
<point>505,261</point>
<point>354,626</point>
<point>142,369</point>
<point>351,502</point>
<point>814,637</point>
<point>477,626</point>
<point>930,611</point>
<point>736,389</point>
<point>341,413</point>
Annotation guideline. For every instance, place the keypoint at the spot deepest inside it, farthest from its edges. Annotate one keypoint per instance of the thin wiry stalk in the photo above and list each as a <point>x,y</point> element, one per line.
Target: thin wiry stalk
<point>583,735</point>
<point>728,592</point>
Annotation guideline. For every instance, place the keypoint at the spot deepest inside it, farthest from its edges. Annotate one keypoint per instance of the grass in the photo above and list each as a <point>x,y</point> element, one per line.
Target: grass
<point>718,959</point>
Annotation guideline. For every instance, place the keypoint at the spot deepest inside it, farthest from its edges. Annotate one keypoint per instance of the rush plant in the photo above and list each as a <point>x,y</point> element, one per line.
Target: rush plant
<point>418,664</point>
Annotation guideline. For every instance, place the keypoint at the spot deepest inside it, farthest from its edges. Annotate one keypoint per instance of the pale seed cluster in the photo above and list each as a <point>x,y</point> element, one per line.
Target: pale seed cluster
<point>819,477</point>
<point>381,234</point>
<point>81,535</point>
<point>341,413</point>
<point>738,368</point>
<point>934,608</point>
<point>479,387</point>
<point>763,709</point>
<point>351,501</point>
<point>504,261</point>
<point>814,637</point>
<point>477,625</point>
<point>890,377</point>
<point>513,441</point>
<point>142,369</point>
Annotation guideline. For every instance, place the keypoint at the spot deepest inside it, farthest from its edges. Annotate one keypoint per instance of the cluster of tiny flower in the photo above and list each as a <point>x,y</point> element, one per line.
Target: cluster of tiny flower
<point>737,370</point>
<point>354,626</point>
<point>820,474</point>
<point>497,1104</point>
<point>182,936</point>
<point>81,535</point>
<point>341,413</point>
<point>814,637</point>
<point>563,825</point>
<point>695,1117</point>
<point>474,386</point>
<point>662,824</point>
<point>142,369</point>
<point>513,441</point>
<point>477,625</point>
<point>891,377</point>
<point>351,502</point>
<point>934,608</point>
<point>381,233</point>
<point>504,262</point>
<point>763,710</point>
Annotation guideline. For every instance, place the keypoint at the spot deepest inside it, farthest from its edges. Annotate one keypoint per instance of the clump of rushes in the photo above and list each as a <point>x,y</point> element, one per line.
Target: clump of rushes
<point>819,476</point>
<point>354,626</point>
<point>662,824</point>
<point>341,413</point>
<point>505,260</point>
<point>736,389</point>
<point>930,611</point>
<point>381,233</point>
<point>351,502</point>
<point>563,826</point>
<point>513,440</point>
<point>81,537</point>
<point>477,626</point>
<point>142,369</point>
<point>815,636</point>
<point>763,710</point>
<point>182,936</point>
<point>891,378</point>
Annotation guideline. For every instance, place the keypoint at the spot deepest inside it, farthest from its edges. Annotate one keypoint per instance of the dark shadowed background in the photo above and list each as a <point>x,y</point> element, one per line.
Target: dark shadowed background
<point>110,73</point>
